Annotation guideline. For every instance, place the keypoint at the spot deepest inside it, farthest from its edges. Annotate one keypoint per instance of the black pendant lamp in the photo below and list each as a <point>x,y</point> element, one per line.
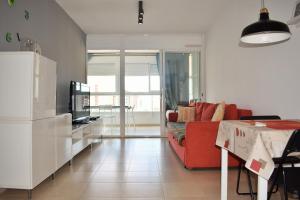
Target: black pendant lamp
<point>265,31</point>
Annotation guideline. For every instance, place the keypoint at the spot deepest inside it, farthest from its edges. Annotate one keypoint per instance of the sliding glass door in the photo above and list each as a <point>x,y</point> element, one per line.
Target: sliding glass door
<point>103,77</point>
<point>132,90</point>
<point>142,93</point>
<point>125,92</point>
<point>181,79</point>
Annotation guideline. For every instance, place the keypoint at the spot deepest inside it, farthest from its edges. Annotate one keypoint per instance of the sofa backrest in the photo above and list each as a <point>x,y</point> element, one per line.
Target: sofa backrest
<point>231,112</point>
<point>200,107</point>
<point>244,113</point>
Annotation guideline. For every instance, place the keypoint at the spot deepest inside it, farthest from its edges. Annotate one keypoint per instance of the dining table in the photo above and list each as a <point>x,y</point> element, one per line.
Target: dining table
<point>257,143</point>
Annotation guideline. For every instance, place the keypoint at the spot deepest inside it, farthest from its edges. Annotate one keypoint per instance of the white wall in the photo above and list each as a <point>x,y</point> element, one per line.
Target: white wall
<point>264,79</point>
<point>145,42</point>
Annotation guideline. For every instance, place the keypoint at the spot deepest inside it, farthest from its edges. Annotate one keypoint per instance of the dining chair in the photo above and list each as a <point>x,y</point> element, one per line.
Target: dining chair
<point>242,163</point>
<point>288,160</point>
<point>130,117</point>
<point>109,113</point>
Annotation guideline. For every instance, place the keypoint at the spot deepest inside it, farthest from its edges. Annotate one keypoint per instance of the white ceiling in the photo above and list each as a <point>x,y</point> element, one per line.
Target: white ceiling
<point>161,16</point>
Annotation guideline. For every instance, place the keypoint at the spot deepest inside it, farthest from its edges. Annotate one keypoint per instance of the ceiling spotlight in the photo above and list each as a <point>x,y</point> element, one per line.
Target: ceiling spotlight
<point>140,21</point>
<point>141,13</point>
<point>141,10</point>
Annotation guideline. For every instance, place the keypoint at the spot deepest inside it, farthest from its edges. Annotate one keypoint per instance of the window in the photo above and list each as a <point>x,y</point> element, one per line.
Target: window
<point>144,103</point>
<point>102,83</point>
<point>104,78</point>
<point>137,83</point>
<point>142,82</point>
<point>154,83</point>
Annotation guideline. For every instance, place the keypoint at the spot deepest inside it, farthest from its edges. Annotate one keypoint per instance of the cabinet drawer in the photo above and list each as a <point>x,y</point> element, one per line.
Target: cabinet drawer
<point>78,134</point>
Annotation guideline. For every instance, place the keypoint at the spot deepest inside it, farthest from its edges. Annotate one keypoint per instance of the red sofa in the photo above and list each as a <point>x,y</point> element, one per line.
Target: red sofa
<point>198,149</point>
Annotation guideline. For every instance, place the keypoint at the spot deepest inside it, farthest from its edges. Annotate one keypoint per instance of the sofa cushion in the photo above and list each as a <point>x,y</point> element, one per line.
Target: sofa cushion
<point>208,111</point>
<point>175,126</point>
<point>186,114</point>
<point>192,104</point>
<point>177,130</point>
<point>199,110</point>
<point>179,136</point>
<point>231,112</point>
<point>171,115</point>
<point>219,113</point>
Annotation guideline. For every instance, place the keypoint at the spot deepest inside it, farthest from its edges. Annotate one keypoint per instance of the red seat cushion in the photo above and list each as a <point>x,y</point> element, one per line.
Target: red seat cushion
<point>231,112</point>
<point>208,111</point>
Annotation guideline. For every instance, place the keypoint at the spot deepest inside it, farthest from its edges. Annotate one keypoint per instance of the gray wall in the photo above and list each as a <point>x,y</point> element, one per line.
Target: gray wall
<point>59,37</point>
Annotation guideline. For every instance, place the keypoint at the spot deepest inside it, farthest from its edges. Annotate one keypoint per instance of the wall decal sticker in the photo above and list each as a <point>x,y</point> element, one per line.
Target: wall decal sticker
<point>18,36</point>
<point>8,37</point>
<point>11,3</point>
<point>27,15</point>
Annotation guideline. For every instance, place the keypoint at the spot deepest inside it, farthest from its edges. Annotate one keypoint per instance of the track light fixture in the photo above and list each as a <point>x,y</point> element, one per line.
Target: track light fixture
<point>141,13</point>
<point>140,20</point>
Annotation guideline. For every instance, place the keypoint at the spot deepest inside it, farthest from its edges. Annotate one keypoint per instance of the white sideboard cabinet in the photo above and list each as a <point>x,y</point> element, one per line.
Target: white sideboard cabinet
<point>27,86</point>
<point>34,141</point>
<point>26,152</point>
<point>84,134</point>
<point>63,140</point>
<point>27,119</point>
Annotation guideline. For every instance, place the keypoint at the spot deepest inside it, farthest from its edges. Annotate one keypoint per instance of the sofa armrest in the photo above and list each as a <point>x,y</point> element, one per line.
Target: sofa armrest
<point>200,144</point>
<point>198,133</point>
<point>172,116</point>
<point>200,140</point>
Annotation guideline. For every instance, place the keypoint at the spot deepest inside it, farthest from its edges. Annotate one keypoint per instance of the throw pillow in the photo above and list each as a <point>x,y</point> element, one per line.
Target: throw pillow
<point>199,110</point>
<point>186,114</point>
<point>219,113</point>
<point>231,112</point>
<point>192,104</point>
<point>208,112</point>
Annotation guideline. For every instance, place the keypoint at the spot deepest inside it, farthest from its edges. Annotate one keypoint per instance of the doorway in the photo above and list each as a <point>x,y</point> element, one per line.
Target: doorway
<point>103,77</point>
<point>142,93</point>
<point>133,89</point>
<point>182,79</point>
<point>126,91</point>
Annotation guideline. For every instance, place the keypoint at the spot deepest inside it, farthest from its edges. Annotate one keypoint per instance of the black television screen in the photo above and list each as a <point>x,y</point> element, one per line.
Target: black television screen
<point>79,101</point>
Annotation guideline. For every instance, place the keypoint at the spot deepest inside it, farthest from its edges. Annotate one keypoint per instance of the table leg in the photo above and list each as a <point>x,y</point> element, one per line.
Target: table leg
<point>224,174</point>
<point>262,189</point>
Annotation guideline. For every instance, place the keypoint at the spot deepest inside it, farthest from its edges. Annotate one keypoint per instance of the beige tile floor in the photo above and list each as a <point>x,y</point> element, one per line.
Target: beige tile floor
<point>130,169</point>
<point>150,131</point>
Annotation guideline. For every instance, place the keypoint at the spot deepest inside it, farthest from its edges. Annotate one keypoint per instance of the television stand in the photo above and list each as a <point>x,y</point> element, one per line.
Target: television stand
<point>85,134</point>
<point>94,118</point>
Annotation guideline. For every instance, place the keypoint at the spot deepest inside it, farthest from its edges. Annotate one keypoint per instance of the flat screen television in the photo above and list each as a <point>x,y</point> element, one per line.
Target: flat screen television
<point>79,102</point>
